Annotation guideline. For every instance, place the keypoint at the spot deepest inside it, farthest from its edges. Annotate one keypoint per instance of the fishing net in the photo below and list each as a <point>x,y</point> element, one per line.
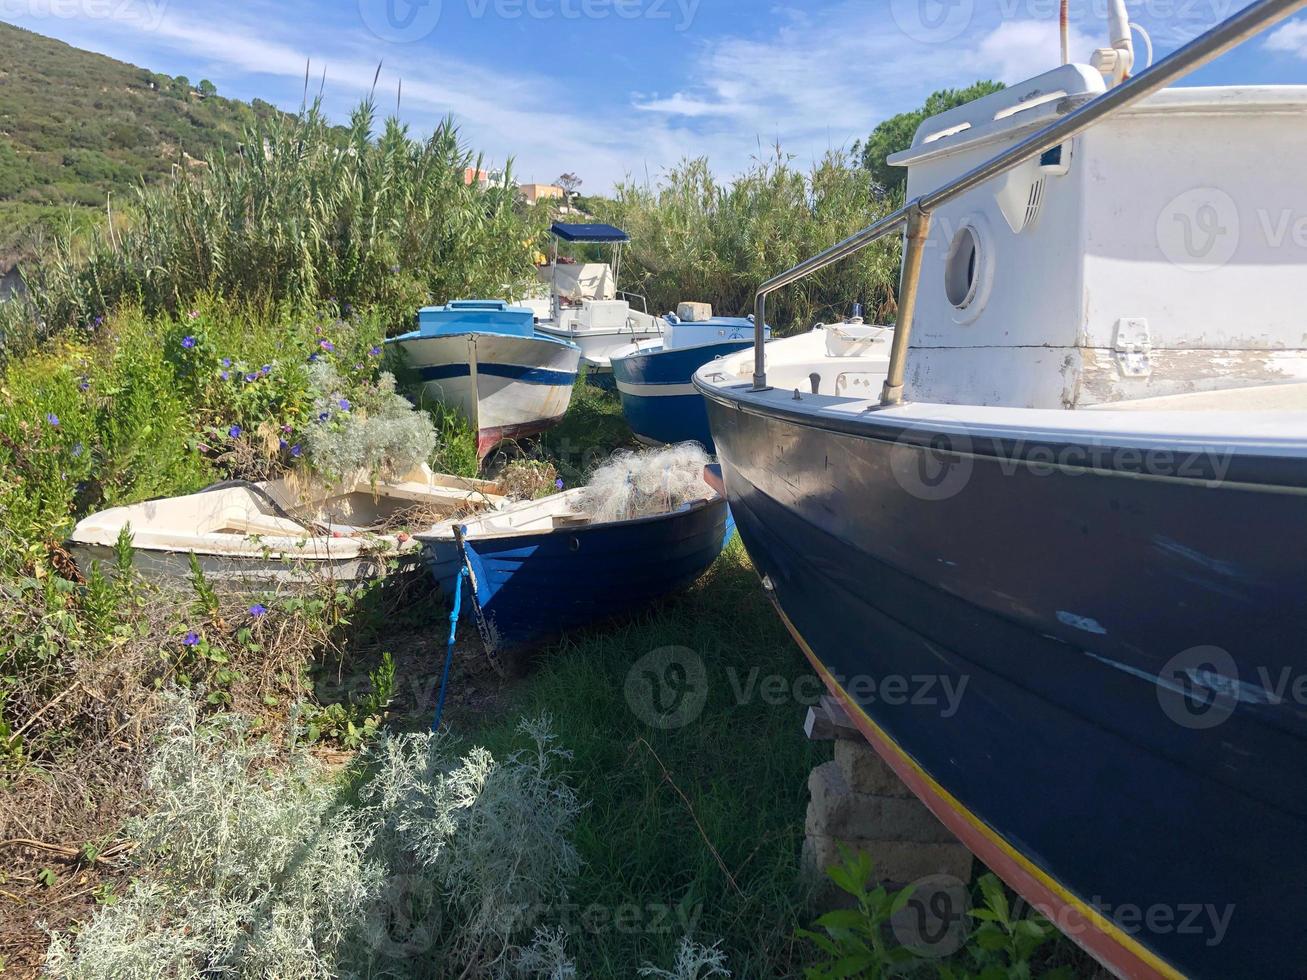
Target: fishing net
<point>655,481</point>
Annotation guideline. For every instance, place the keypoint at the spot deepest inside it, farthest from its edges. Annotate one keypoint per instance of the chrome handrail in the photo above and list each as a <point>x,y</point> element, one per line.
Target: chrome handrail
<point>915,214</point>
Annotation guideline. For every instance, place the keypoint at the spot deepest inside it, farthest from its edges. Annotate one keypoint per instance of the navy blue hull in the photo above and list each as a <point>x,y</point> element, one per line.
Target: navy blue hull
<point>658,399</point>
<point>530,588</point>
<point>1056,602</point>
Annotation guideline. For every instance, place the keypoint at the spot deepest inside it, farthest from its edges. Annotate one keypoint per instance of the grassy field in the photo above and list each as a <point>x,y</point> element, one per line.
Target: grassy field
<point>695,823</point>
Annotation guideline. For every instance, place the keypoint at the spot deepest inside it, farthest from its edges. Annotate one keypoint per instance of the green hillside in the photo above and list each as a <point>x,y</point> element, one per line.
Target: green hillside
<point>78,129</point>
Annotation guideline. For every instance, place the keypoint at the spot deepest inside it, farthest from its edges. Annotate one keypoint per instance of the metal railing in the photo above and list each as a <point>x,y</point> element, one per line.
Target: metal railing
<point>915,214</point>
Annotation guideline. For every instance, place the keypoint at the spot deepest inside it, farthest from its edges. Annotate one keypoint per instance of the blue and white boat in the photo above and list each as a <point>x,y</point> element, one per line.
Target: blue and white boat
<point>486,360</point>
<point>546,566</point>
<point>654,376</point>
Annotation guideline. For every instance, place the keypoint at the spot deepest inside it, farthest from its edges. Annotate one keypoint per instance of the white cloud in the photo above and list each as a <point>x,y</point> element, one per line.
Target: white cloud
<point>1290,38</point>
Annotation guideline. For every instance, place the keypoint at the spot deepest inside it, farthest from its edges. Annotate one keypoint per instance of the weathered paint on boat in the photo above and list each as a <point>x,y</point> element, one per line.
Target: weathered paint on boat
<point>1100,757</point>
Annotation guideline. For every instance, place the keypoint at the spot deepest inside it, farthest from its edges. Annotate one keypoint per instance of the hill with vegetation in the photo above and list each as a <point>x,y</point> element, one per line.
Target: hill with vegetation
<point>80,130</point>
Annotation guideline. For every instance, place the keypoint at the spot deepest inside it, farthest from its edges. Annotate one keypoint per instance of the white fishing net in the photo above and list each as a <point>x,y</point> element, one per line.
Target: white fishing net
<point>654,481</point>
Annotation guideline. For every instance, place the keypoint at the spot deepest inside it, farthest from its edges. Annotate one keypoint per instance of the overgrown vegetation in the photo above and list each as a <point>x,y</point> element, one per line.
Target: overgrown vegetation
<point>695,237</point>
<point>309,217</point>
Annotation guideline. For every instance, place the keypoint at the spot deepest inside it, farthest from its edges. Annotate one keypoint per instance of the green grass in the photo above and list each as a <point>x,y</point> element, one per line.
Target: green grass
<point>593,429</point>
<point>741,764</point>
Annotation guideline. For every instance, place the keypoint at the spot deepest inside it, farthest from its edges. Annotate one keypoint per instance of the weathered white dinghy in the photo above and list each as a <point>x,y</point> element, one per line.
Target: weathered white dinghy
<point>284,530</point>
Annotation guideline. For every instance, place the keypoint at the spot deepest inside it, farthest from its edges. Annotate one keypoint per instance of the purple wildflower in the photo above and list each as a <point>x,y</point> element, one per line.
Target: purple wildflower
<point>52,419</point>
<point>224,375</point>
<point>191,639</point>
<point>258,609</point>
<point>344,404</point>
<point>295,450</point>
<point>265,370</point>
<point>193,314</point>
<point>558,484</point>
<point>375,352</point>
<point>288,429</point>
<point>83,383</point>
<point>313,357</point>
<point>282,443</point>
<point>251,377</point>
<point>234,431</point>
<point>326,345</point>
<point>97,321</point>
<point>188,342</point>
<point>323,417</point>
<point>226,362</point>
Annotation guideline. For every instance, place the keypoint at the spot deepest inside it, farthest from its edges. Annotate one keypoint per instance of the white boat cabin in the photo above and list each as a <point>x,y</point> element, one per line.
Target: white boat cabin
<point>1159,253</point>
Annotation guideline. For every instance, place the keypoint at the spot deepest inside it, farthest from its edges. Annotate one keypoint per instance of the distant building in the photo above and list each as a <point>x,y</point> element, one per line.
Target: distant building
<point>540,192</point>
<point>484,178</point>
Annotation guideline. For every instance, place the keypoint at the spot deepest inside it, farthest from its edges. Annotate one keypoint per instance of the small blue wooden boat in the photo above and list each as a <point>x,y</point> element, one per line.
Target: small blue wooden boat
<point>654,377</point>
<point>544,567</point>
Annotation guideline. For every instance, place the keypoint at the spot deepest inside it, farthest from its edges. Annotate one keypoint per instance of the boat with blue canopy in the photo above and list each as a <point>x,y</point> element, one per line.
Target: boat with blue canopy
<point>485,359</point>
<point>585,305</point>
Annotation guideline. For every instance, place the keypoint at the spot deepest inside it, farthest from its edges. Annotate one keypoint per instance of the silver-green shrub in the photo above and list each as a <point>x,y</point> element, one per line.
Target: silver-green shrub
<point>381,435</point>
<point>255,865</point>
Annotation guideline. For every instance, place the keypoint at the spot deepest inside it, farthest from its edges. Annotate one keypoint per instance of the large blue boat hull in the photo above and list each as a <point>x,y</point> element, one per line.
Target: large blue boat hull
<point>530,588</point>
<point>658,400</point>
<point>1066,637</point>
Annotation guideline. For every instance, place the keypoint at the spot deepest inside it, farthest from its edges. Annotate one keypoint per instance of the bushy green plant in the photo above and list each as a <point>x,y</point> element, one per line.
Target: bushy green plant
<point>854,940</point>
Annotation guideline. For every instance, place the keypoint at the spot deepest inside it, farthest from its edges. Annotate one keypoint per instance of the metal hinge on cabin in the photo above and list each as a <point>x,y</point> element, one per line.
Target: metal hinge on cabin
<point>1133,346</point>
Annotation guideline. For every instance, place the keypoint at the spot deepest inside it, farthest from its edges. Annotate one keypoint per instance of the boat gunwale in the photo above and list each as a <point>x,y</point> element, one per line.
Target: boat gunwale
<point>1012,445</point>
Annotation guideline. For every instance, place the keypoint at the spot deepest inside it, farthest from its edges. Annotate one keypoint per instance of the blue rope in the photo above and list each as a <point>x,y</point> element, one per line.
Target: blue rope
<point>449,646</point>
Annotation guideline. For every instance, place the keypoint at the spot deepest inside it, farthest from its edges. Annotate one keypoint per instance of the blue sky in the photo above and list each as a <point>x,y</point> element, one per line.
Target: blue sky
<point>617,88</point>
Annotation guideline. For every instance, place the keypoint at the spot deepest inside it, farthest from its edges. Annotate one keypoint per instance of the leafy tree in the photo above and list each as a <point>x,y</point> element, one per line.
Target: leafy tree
<point>896,133</point>
<point>207,87</point>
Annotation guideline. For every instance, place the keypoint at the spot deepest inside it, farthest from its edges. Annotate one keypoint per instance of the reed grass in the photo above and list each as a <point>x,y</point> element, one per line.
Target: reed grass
<point>306,214</point>
<point>697,237</point>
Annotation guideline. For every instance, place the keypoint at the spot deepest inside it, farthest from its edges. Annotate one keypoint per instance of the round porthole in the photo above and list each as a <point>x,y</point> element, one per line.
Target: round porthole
<point>968,270</point>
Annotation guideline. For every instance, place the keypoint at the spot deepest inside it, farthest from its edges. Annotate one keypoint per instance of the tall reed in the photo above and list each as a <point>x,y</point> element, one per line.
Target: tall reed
<point>304,213</point>
<point>697,238</point>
